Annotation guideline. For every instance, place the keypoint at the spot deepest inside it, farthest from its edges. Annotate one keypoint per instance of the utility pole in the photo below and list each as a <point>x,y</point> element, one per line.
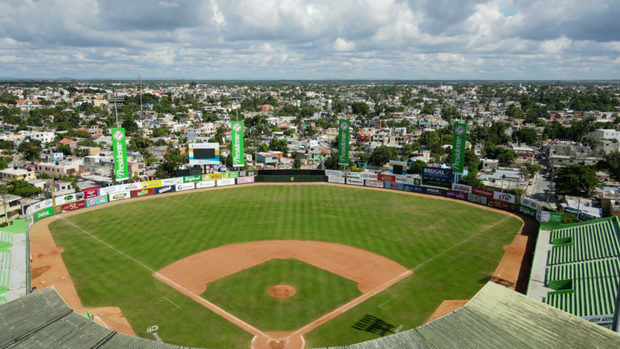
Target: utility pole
<point>115,110</point>
<point>140,92</point>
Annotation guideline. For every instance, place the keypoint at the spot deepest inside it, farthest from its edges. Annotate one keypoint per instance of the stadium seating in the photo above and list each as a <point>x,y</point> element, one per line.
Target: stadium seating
<point>583,268</point>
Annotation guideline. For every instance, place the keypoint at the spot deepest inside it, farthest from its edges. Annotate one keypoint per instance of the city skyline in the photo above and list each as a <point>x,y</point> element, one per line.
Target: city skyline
<point>311,40</point>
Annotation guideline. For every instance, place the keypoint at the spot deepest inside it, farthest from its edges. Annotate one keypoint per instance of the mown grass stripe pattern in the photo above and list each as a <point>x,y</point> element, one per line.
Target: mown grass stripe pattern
<point>157,232</point>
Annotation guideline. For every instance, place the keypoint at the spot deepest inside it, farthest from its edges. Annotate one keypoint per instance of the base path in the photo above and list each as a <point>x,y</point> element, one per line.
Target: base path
<point>48,269</point>
<point>372,273</point>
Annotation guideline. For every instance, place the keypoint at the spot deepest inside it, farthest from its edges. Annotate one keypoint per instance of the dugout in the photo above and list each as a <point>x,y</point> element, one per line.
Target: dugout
<point>290,176</point>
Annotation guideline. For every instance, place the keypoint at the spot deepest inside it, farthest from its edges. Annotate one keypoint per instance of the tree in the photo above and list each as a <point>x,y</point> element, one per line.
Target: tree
<point>611,164</point>
<point>360,108</point>
<point>64,148</point>
<point>172,160</point>
<point>130,126</point>
<point>331,163</point>
<point>381,155</point>
<point>31,149</point>
<point>432,141</point>
<point>576,180</point>
<point>278,144</point>
<point>296,164</point>
<point>417,167</point>
<point>472,179</point>
<point>20,187</point>
<point>525,135</point>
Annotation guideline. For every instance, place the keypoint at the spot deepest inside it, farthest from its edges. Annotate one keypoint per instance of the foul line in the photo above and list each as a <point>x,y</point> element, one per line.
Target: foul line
<point>459,244</point>
<point>223,313</point>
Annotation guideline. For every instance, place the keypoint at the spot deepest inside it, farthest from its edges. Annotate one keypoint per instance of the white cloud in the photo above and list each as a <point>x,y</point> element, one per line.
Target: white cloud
<point>343,45</point>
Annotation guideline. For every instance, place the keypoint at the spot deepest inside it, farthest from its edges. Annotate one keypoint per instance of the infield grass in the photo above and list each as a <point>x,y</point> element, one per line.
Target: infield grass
<point>245,295</point>
<point>454,249</point>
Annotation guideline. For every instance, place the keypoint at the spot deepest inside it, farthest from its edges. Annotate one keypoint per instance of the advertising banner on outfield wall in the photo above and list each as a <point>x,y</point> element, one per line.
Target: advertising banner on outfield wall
<point>335,179</point>
<point>236,140</point>
<point>171,181</point>
<point>533,204</point>
<point>152,184</point>
<point>403,179</point>
<point>393,185</point>
<point>334,173</point>
<point>121,195</point>
<point>369,175</point>
<point>206,184</point>
<point>185,186</point>
<point>499,204</point>
<point>413,188</point>
<point>527,210</point>
<point>233,174</point>
<point>72,206</point>
<point>456,194</point>
<point>505,197</point>
<point>225,181</point>
<point>435,191</point>
<point>355,181</point>
<point>373,183</point>
<point>386,177</point>
<point>110,190</point>
<point>164,190</point>
<point>245,180</point>
<point>63,199</point>
<point>132,186</point>
<point>477,199</point>
<point>39,206</point>
<point>461,187</point>
<point>192,179</point>
<point>211,176</point>
<point>46,212</point>
<point>142,192</point>
<point>482,192</point>
<point>349,174</point>
<point>91,192</point>
<point>96,200</point>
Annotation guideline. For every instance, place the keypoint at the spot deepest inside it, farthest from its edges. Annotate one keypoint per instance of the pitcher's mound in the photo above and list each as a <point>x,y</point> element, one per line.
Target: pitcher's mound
<point>282,291</point>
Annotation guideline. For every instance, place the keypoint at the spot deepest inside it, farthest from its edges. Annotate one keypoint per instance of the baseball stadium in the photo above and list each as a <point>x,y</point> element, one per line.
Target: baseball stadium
<point>290,259</point>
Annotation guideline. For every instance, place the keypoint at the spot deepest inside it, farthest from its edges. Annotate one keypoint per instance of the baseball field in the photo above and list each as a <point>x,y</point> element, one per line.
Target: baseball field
<point>220,268</point>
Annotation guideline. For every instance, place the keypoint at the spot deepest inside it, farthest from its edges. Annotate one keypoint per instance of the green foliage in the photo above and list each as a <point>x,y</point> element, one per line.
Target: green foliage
<point>360,108</point>
<point>514,112</point>
<point>472,180</point>
<point>64,148</point>
<point>505,156</point>
<point>130,126</point>
<point>172,160</point>
<point>297,164</point>
<point>611,164</point>
<point>279,144</point>
<point>417,167</point>
<point>381,155</point>
<point>432,141</point>
<point>576,180</point>
<point>31,149</point>
<point>20,187</point>
<point>331,163</point>
<point>525,135</point>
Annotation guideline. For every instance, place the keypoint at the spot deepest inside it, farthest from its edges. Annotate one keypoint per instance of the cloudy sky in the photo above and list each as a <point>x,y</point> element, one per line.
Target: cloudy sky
<point>299,39</point>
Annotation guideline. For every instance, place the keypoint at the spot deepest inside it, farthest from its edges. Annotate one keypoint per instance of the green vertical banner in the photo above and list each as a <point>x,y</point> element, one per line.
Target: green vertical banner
<point>459,136</point>
<point>119,148</point>
<point>236,130</point>
<point>343,142</point>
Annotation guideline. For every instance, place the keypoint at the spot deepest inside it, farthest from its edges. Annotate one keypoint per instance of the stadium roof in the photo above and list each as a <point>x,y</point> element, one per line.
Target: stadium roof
<point>577,269</point>
<point>496,316</point>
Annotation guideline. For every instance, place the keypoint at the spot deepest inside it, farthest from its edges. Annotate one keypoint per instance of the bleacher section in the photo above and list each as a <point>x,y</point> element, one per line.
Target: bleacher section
<point>582,272</point>
<point>13,260</point>
<point>495,317</point>
<point>5,271</point>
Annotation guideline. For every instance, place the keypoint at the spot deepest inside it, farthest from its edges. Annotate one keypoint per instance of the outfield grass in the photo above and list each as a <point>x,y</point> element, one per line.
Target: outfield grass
<point>245,294</point>
<point>413,231</point>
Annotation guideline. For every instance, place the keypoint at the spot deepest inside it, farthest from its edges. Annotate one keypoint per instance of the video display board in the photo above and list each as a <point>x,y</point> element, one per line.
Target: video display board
<point>204,154</point>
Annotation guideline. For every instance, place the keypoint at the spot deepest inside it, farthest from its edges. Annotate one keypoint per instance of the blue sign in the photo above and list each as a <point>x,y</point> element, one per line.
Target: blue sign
<point>166,189</point>
<point>413,188</point>
<point>437,173</point>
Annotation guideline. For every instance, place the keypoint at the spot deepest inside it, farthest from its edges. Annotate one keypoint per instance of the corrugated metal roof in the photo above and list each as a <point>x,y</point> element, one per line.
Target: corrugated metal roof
<point>495,317</point>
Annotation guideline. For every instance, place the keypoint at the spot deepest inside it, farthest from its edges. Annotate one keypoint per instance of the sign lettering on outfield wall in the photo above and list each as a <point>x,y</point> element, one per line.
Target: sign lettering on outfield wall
<point>206,184</point>
<point>461,187</point>
<point>505,197</point>
<point>355,181</point>
<point>533,204</point>
<point>335,179</point>
<point>245,180</point>
<point>456,194</point>
<point>373,183</point>
<point>482,192</point>
<point>477,199</point>
<point>91,192</point>
<point>393,185</point>
<point>334,173</point>
<point>72,206</point>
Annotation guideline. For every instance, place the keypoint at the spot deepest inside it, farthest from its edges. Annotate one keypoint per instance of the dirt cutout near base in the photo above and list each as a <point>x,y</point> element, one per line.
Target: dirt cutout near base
<point>372,273</point>
<point>447,307</point>
<point>48,269</point>
<point>282,291</point>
